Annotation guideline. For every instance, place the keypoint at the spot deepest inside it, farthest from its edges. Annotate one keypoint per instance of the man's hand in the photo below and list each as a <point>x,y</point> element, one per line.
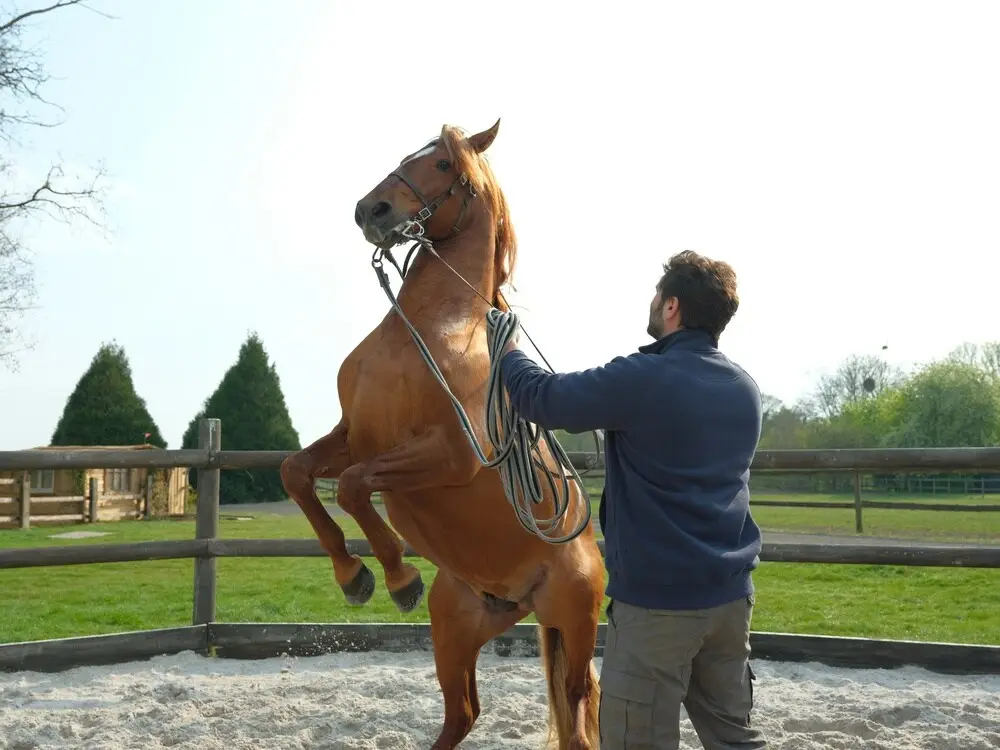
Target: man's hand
<point>514,342</point>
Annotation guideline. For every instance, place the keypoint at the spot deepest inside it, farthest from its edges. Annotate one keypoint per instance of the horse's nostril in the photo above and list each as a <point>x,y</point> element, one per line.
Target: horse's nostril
<point>380,209</point>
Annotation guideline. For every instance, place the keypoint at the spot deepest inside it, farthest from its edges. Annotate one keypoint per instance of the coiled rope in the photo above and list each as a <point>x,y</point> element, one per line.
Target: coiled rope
<point>515,441</point>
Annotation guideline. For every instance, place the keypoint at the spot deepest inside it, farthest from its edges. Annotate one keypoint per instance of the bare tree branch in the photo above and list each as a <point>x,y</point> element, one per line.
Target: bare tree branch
<point>22,77</point>
<point>7,25</point>
<point>989,358</point>
<point>17,295</point>
<point>47,196</point>
<point>986,356</point>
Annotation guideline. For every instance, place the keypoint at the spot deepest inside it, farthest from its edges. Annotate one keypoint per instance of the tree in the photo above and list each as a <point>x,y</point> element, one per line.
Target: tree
<point>858,377</point>
<point>966,352</point>
<point>953,402</point>
<point>769,405</point>
<point>251,406</point>
<point>948,403</point>
<point>22,76</point>
<point>986,356</point>
<point>782,428</point>
<point>989,358</point>
<point>104,408</point>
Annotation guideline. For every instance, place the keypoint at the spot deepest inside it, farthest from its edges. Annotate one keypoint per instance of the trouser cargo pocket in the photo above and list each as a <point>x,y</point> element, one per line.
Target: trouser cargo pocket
<point>626,715</point>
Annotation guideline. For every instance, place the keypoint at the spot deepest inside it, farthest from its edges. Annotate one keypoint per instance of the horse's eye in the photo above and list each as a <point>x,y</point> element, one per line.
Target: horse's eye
<point>444,165</point>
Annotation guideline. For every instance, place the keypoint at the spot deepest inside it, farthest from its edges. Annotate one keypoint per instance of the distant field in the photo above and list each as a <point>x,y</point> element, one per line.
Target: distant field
<point>931,525</point>
<point>872,601</point>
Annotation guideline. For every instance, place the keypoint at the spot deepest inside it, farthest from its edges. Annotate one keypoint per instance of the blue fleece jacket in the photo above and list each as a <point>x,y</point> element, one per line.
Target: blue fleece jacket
<point>682,423</point>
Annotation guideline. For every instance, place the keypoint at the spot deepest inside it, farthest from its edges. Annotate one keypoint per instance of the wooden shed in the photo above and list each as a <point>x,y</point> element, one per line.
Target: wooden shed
<point>63,495</point>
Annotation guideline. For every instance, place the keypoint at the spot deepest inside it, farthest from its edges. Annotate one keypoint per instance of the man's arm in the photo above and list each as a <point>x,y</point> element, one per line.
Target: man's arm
<point>607,397</point>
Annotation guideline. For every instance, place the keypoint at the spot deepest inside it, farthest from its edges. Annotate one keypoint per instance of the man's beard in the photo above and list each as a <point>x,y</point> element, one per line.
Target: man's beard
<point>655,327</point>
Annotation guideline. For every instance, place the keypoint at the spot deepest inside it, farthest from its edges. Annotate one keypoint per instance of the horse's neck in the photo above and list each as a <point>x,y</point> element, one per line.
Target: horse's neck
<point>433,290</point>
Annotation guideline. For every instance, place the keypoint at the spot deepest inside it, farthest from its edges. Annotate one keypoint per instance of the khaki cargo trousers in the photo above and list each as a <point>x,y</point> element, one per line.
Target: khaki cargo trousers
<point>657,660</point>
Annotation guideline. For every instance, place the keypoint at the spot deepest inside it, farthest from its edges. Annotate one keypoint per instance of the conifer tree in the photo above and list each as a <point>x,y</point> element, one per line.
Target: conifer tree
<point>104,408</point>
<point>251,406</point>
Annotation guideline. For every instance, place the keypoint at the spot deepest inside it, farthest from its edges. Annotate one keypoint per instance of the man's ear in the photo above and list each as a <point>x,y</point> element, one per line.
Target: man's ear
<point>671,307</point>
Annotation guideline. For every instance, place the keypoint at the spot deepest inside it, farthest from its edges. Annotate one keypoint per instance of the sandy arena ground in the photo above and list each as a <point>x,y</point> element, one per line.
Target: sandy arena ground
<point>391,702</point>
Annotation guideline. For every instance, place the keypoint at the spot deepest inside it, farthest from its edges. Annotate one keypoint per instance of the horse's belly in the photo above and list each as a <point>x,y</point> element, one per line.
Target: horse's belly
<point>408,527</point>
<point>465,532</point>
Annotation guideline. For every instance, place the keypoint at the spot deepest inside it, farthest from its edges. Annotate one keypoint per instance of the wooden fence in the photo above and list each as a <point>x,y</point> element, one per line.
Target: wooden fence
<point>858,504</point>
<point>22,508</point>
<point>261,639</point>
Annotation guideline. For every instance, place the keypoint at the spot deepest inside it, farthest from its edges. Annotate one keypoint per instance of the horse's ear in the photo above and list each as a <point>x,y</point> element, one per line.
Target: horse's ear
<point>482,141</point>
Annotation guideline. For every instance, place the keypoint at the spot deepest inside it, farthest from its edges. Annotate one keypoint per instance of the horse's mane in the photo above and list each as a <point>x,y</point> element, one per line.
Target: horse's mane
<point>477,168</point>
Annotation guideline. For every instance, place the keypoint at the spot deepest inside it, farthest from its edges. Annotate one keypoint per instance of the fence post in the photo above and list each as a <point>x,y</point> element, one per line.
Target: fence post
<point>858,520</point>
<point>207,521</point>
<point>24,502</point>
<point>147,510</point>
<point>94,498</point>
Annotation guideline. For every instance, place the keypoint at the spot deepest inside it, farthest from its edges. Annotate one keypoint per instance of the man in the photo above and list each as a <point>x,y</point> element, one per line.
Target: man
<point>682,423</point>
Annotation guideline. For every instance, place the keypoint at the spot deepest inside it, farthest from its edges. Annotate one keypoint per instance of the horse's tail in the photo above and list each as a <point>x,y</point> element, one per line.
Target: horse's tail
<point>554,659</point>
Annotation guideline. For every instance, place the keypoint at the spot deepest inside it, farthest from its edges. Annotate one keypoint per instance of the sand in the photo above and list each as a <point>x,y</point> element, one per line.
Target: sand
<point>380,701</point>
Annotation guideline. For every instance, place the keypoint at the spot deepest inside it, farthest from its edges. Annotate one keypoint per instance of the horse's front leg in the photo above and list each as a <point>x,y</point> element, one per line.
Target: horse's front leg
<point>327,458</point>
<point>428,460</point>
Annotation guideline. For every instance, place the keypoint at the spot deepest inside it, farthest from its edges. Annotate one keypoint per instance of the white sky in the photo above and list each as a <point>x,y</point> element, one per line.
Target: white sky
<point>843,157</point>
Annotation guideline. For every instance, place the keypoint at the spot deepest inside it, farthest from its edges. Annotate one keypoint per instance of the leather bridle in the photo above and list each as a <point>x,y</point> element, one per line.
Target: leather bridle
<point>431,206</point>
<point>414,226</point>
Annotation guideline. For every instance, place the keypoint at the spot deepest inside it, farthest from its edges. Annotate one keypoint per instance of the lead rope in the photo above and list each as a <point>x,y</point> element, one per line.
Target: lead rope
<point>512,438</point>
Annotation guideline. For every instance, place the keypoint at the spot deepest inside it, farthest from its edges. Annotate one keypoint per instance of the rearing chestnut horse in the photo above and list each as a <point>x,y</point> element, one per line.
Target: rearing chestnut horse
<point>399,435</point>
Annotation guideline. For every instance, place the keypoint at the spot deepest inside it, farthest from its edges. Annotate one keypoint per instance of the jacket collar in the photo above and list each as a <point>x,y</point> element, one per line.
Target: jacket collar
<point>684,339</point>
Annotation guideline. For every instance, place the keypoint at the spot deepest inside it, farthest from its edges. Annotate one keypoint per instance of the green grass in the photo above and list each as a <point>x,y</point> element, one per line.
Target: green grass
<point>822,497</point>
<point>871,601</point>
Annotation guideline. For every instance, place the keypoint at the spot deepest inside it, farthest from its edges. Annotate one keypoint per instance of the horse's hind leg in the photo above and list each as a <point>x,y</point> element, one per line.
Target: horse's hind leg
<point>327,458</point>
<point>427,460</point>
<point>460,626</point>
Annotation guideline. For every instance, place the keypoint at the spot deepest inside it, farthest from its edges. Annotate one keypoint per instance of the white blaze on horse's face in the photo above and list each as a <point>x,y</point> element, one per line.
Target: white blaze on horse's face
<point>425,151</point>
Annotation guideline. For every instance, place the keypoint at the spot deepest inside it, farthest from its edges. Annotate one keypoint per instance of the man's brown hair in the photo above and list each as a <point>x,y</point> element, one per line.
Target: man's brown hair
<point>704,288</point>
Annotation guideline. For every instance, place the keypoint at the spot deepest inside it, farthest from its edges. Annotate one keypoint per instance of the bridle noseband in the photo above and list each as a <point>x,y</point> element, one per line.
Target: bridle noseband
<point>430,207</point>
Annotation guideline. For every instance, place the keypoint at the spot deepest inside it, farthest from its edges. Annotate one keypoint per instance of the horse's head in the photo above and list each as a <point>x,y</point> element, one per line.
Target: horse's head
<point>433,186</point>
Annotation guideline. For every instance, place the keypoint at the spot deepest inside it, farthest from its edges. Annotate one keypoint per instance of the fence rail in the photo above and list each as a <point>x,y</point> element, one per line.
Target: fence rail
<point>70,509</point>
<point>282,639</point>
<point>210,460</point>
<point>939,555</point>
<point>936,460</point>
<point>879,504</point>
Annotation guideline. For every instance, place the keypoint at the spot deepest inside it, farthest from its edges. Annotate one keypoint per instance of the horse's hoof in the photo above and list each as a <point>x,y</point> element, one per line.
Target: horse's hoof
<point>361,588</point>
<point>409,597</point>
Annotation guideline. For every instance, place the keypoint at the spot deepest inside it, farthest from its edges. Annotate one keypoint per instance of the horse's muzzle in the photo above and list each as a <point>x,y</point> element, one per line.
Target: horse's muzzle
<point>377,220</point>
